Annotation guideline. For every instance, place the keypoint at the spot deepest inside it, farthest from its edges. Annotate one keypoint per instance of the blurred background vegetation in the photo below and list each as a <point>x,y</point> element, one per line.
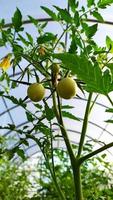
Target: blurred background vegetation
<point>22,183</point>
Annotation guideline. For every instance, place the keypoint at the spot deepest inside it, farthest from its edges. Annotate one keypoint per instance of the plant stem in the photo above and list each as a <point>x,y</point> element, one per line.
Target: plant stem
<point>67,28</point>
<point>59,191</point>
<point>56,185</point>
<point>77,181</point>
<point>93,103</point>
<point>84,158</point>
<point>21,82</point>
<point>64,133</point>
<point>84,127</point>
<point>74,161</point>
<point>109,99</point>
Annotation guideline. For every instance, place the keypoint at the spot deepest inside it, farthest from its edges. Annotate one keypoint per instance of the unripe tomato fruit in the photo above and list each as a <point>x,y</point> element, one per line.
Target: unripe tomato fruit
<point>55,68</point>
<point>67,88</point>
<point>36,92</point>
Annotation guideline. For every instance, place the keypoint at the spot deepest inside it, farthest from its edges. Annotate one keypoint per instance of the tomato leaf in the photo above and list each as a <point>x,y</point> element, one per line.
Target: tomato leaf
<point>47,37</point>
<point>15,101</point>
<point>95,79</point>
<point>91,30</point>
<point>69,115</point>
<point>90,3</point>
<point>67,107</point>
<point>109,44</point>
<point>64,14</point>
<point>72,4</point>
<point>33,20</point>
<point>23,40</point>
<point>49,112</point>
<point>109,110</point>
<point>98,16</point>
<point>17,20</point>
<point>50,13</point>
<point>104,3</point>
<point>29,38</point>
<point>30,118</point>
<point>110,66</point>
<point>21,153</point>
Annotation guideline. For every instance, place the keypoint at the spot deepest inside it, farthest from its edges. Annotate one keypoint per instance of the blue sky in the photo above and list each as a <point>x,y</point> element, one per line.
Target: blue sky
<point>27,7</point>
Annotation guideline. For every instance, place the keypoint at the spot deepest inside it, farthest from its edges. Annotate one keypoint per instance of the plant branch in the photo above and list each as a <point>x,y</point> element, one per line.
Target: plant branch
<point>59,191</point>
<point>84,127</point>
<point>93,103</point>
<point>52,149</point>
<point>109,99</point>
<point>64,133</point>
<point>61,37</point>
<point>21,82</point>
<point>84,158</point>
<point>56,185</point>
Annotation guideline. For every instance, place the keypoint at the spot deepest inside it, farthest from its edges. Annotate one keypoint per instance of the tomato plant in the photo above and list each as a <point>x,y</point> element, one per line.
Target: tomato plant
<point>89,66</point>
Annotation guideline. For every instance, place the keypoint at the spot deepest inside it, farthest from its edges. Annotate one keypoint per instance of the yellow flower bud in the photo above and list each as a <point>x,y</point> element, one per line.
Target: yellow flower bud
<point>6,62</point>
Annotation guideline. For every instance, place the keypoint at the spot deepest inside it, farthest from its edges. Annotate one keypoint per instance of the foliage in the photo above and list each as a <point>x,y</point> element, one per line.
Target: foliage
<point>14,181</point>
<point>32,59</point>
<point>97,174</point>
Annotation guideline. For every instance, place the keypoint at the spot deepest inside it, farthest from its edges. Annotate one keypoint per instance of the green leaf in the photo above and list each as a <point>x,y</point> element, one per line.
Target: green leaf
<point>2,23</point>
<point>17,20</point>
<point>13,85</point>
<point>49,112</point>
<point>64,14</point>
<point>2,43</point>
<point>109,121</point>
<point>43,128</point>
<point>16,101</point>
<point>21,153</point>
<point>17,49</point>
<point>25,142</point>
<point>90,3</point>
<point>91,30</point>
<point>38,106</point>
<point>76,18</point>
<point>23,40</point>
<point>69,115</point>
<point>1,93</point>
<point>47,37</point>
<point>95,79</point>
<point>11,126</point>
<point>104,3</point>
<point>73,45</point>
<point>110,66</point>
<point>30,118</point>
<point>50,13</point>
<point>13,99</point>
<point>72,5</point>
<point>98,16</point>
<point>103,155</point>
<point>67,107</point>
<point>33,20</point>
<point>29,38</point>
<point>109,44</point>
<point>109,110</point>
